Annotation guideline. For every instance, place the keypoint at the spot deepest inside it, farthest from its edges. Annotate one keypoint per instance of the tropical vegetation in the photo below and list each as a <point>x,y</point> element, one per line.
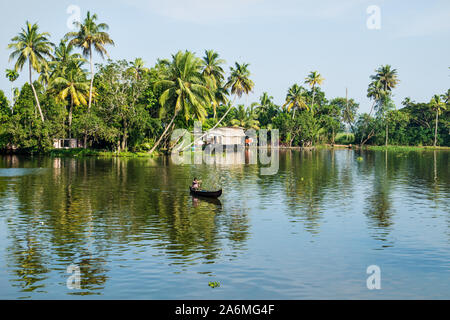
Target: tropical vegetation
<point>129,106</point>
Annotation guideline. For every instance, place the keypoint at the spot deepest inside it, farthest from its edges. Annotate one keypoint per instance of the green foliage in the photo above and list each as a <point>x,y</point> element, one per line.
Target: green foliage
<point>127,106</point>
<point>214,284</point>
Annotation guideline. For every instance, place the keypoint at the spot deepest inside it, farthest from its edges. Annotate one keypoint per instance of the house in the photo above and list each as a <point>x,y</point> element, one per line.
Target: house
<point>67,143</point>
<point>226,136</point>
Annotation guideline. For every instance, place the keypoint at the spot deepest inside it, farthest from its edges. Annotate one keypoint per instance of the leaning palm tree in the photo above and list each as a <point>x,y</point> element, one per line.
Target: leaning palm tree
<point>71,86</point>
<point>388,79</point>
<point>91,35</point>
<point>296,99</point>
<point>32,47</point>
<point>240,83</point>
<point>183,90</point>
<point>314,79</point>
<point>438,106</point>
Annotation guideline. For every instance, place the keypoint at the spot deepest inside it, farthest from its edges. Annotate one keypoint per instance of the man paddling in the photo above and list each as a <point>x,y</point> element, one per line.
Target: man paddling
<point>196,184</point>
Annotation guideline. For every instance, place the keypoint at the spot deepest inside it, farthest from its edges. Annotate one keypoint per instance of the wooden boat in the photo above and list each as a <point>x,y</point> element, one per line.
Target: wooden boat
<point>207,194</point>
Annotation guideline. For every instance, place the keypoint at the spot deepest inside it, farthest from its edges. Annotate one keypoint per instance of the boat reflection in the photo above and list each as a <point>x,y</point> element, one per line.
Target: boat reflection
<point>196,200</point>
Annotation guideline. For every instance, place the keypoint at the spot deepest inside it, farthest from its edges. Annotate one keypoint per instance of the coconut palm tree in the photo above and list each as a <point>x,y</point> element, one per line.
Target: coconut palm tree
<point>12,76</point>
<point>265,102</point>
<point>212,68</point>
<point>296,99</point>
<point>314,79</point>
<point>437,105</point>
<point>32,47</point>
<point>388,79</point>
<point>220,97</point>
<point>245,118</point>
<point>214,75</point>
<point>184,90</point>
<point>71,86</point>
<point>446,97</point>
<point>375,92</point>
<point>137,68</point>
<point>240,83</point>
<point>89,36</point>
<point>63,58</point>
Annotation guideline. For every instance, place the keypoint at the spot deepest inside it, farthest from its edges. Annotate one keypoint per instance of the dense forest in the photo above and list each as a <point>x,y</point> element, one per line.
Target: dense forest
<point>126,106</point>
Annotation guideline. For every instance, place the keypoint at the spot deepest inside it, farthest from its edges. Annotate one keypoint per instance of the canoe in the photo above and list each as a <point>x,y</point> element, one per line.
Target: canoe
<point>204,193</point>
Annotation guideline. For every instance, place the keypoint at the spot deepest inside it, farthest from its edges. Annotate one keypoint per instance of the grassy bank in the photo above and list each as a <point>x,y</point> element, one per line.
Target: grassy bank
<point>405,148</point>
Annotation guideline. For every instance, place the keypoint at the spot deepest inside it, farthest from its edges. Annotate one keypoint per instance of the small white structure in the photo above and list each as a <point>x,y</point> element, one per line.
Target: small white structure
<point>226,136</point>
<point>66,143</point>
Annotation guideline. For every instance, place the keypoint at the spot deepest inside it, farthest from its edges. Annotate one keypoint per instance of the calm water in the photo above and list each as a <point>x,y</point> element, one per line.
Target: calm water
<point>309,231</point>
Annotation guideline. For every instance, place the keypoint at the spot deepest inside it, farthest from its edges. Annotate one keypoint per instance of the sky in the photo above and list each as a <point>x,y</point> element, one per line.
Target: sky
<point>282,40</point>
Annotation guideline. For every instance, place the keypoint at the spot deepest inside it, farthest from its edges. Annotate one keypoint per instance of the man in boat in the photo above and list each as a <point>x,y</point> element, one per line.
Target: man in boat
<point>196,184</point>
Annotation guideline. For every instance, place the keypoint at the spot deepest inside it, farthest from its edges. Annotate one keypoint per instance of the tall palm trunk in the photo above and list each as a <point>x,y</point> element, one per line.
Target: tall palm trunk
<point>35,94</point>
<point>314,94</point>
<point>12,97</point>
<point>436,127</point>
<point>164,133</point>
<point>92,78</point>
<point>387,134</point>
<point>70,118</point>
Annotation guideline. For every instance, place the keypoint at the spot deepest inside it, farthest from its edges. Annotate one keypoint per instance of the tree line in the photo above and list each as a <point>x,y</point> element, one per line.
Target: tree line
<point>125,106</point>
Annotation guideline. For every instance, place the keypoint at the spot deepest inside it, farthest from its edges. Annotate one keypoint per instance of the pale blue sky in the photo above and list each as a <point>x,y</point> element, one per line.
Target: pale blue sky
<point>282,40</point>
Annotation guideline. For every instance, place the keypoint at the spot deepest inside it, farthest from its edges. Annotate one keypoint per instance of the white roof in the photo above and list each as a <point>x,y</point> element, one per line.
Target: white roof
<point>227,132</point>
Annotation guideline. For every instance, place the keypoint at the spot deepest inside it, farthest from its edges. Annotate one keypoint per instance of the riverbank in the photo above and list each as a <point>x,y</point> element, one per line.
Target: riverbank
<point>405,148</point>
<point>80,152</point>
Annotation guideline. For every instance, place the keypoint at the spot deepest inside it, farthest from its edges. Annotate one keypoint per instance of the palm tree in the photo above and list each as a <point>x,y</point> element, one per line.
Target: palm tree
<point>437,105</point>
<point>64,57</point>
<point>137,68</point>
<point>240,83</point>
<point>91,35</point>
<point>388,79</point>
<point>265,102</point>
<point>245,118</point>
<point>212,69</point>
<point>184,90</point>
<point>446,97</point>
<point>314,79</point>
<point>72,86</point>
<point>12,76</point>
<point>296,99</point>
<point>32,47</point>
<point>214,75</point>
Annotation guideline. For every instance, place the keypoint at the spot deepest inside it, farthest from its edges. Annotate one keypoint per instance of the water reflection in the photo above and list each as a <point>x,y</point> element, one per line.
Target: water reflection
<point>101,213</point>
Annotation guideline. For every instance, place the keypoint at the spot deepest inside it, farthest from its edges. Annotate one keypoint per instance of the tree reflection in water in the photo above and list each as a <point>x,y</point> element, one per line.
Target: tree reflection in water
<point>91,212</point>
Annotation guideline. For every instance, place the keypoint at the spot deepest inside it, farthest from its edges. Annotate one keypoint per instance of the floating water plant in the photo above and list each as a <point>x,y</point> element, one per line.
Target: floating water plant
<point>214,284</point>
